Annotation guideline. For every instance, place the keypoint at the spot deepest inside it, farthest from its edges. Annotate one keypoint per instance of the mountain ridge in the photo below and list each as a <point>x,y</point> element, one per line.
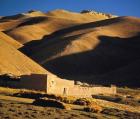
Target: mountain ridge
<point>77,45</point>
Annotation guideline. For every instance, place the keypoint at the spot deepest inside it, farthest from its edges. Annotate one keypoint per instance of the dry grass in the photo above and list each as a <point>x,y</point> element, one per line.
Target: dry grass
<point>93,107</point>
<point>12,91</point>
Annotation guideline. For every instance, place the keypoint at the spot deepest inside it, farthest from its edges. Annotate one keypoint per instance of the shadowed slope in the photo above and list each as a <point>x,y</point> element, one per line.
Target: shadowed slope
<point>87,37</point>
<point>111,62</point>
<point>91,49</point>
<point>86,47</point>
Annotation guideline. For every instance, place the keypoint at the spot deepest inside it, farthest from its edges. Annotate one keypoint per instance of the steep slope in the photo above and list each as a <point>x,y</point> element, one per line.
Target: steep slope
<point>10,40</point>
<point>14,62</point>
<point>94,48</point>
<point>35,24</point>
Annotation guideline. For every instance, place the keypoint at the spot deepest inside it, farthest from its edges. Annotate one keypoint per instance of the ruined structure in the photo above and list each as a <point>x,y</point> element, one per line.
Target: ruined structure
<point>52,84</point>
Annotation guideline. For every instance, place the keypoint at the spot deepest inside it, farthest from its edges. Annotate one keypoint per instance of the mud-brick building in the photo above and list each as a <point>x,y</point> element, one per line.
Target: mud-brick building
<point>52,84</point>
<point>19,71</point>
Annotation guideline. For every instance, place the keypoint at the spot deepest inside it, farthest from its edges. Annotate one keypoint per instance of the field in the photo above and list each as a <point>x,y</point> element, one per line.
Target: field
<point>13,105</point>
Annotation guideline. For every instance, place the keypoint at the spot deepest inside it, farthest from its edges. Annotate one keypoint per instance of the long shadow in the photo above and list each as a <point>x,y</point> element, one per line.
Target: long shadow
<point>32,21</point>
<point>32,81</point>
<point>8,18</point>
<point>109,63</point>
<point>85,26</point>
<point>31,47</point>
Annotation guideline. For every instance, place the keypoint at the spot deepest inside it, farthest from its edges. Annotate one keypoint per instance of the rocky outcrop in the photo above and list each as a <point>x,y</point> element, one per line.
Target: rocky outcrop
<point>92,12</point>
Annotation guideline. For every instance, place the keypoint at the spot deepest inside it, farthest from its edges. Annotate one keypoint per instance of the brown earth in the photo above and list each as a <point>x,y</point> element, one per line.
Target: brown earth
<point>20,108</point>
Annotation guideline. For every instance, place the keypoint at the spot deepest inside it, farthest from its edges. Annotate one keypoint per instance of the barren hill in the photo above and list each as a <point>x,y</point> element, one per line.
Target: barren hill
<point>35,24</point>
<point>14,62</point>
<point>10,40</point>
<point>93,47</point>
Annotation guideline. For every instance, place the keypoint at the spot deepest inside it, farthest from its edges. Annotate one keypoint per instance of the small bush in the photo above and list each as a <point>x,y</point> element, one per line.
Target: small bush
<point>68,99</point>
<point>108,98</point>
<point>31,95</point>
<point>93,108</point>
<point>82,101</point>
<point>49,103</point>
<point>67,107</point>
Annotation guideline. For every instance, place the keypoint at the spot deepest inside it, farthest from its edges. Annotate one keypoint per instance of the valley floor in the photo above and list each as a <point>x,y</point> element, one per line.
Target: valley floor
<point>12,107</point>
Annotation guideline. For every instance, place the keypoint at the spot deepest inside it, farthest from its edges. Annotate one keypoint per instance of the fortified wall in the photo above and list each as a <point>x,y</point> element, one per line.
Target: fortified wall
<point>52,84</point>
<point>56,85</point>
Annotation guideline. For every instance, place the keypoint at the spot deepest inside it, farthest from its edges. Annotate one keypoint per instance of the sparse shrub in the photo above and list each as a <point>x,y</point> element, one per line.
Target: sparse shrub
<point>108,98</point>
<point>31,95</point>
<point>68,99</point>
<point>121,113</point>
<point>67,107</point>
<point>93,107</point>
<point>49,103</point>
<point>82,101</point>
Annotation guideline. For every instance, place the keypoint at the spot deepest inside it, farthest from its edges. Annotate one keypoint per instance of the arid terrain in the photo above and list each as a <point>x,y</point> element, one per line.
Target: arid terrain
<point>18,104</point>
<point>94,48</point>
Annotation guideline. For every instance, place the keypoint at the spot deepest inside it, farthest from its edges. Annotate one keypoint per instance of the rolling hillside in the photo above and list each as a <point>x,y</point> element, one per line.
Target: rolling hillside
<point>92,47</point>
<point>35,24</point>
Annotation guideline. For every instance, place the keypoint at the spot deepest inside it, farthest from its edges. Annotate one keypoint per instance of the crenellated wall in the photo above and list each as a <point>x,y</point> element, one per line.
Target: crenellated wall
<point>56,85</point>
<point>52,84</point>
<point>89,91</point>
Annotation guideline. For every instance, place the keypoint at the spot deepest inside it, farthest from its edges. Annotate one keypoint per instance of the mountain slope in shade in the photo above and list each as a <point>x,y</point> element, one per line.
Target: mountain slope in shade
<point>94,48</point>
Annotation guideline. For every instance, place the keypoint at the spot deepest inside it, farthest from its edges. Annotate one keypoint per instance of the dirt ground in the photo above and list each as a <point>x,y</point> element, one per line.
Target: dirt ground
<point>12,107</point>
<point>17,110</point>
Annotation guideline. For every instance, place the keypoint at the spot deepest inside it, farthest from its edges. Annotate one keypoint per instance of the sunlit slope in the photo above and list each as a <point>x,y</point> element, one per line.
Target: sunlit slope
<point>10,40</point>
<point>13,61</point>
<point>35,24</point>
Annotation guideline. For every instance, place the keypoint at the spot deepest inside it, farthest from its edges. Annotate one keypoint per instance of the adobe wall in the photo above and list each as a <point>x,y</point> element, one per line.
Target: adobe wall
<point>79,91</point>
<point>34,82</point>
<point>89,91</point>
<point>56,85</point>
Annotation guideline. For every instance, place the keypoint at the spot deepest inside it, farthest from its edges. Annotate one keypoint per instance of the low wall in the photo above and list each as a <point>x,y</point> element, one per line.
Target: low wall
<point>79,91</point>
<point>89,91</point>
<point>55,85</point>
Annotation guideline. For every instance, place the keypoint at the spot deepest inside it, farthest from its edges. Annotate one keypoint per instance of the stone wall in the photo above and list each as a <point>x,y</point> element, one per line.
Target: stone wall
<point>89,91</point>
<point>52,84</point>
<point>55,85</point>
